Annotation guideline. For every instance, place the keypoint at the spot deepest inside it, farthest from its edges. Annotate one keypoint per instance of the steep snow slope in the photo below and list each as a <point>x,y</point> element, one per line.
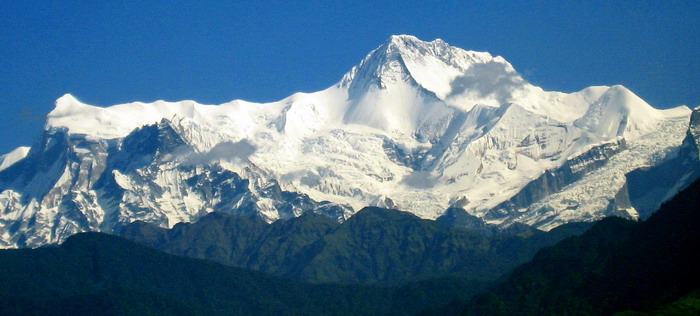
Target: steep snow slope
<point>416,125</point>
<point>649,187</point>
<point>596,195</point>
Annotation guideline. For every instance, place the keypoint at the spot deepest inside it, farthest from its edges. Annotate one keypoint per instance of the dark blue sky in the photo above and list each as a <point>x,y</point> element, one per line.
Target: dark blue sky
<point>109,52</point>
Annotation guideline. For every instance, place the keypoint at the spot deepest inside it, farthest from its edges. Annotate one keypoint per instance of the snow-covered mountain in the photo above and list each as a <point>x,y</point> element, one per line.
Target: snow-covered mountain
<point>419,126</point>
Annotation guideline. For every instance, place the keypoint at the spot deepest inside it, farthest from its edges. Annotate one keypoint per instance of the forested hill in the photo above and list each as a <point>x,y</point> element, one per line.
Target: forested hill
<point>374,246</point>
<point>615,266</point>
<point>98,274</point>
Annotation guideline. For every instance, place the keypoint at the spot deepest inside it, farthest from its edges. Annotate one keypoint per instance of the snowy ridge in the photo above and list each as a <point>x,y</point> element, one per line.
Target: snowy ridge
<point>417,125</point>
<point>12,157</point>
<point>619,112</point>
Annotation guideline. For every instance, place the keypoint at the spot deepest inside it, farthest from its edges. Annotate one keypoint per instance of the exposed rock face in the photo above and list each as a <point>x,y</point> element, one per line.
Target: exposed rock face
<point>69,184</point>
<point>553,181</point>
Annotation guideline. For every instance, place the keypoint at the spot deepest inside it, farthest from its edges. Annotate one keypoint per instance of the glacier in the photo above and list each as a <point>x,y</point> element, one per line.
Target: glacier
<point>419,126</point>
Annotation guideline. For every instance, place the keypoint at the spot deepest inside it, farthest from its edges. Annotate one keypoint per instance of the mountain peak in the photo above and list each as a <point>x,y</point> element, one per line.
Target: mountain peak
<point>432,65</point>
<point>405,43</point>
<point>619,112</point>
<point>65,103</point>
<point>66,98</point>
<point>398,38</point>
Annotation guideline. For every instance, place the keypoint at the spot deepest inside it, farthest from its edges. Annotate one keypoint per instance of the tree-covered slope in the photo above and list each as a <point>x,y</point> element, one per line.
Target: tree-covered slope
<point>617,265</point>
<point>375,245</point>
<point>93,273</point>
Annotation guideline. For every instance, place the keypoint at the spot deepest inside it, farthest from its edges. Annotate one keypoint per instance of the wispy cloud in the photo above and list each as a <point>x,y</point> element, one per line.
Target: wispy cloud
<point>487,80</point>
<point>227,151</point>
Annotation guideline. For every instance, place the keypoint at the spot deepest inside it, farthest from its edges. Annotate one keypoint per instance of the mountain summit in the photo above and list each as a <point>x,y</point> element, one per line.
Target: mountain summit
<point>430,65</point>
<point>419,126</point>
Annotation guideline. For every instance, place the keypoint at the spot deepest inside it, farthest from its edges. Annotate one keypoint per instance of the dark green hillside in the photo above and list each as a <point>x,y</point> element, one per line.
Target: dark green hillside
<point>617,265</point>
<point>374,246</point>
<point>94,273</point>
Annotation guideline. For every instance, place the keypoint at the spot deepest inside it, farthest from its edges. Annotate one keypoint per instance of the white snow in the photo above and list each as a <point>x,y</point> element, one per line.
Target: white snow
<point>590,196</point>
<point>619,112</point>
<point>12,157</point>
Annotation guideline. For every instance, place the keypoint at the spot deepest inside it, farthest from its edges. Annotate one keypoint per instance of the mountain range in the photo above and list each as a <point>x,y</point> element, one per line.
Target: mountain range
<point>418,126</point>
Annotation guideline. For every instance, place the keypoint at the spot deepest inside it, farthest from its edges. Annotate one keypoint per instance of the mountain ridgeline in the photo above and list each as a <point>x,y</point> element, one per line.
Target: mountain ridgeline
<point>374,246</point>
<point>417,126</point>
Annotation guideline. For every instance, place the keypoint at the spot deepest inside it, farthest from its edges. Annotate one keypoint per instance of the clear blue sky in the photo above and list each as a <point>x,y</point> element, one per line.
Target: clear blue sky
<point>109,52</point>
